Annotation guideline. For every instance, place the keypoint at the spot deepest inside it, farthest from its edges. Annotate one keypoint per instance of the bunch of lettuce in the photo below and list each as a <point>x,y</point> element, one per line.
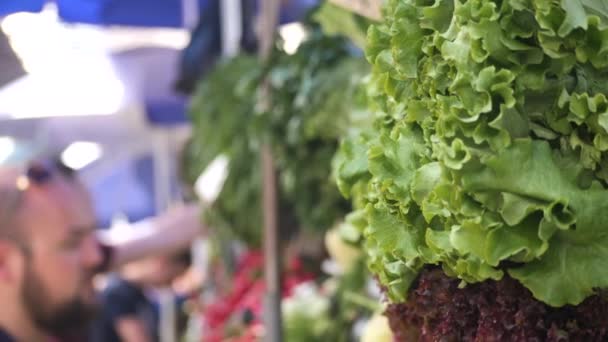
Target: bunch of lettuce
<point>488,153</point>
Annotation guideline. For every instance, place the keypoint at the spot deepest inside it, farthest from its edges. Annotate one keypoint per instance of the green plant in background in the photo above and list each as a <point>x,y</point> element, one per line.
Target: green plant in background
<point>221,107</point>
<point>222,113</point>
<point>306,315</point>
<point>316,95</point>
<point>328,313</point>
<point>488,153</point>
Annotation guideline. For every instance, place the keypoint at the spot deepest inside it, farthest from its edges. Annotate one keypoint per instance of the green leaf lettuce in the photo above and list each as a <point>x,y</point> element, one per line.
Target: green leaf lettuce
<point>488,151</point>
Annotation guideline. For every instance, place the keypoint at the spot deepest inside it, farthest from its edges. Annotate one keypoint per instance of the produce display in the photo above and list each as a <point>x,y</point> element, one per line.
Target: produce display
<point>327,309</point>
<point>316,307</point>
<point>474,157</point>
<point>377,330</point>
<point>481,186</point>
<point>314,92</point>
<point>315,97</point>
<point>236,314</point>
<point>490,311</point>
<point>222,111</point>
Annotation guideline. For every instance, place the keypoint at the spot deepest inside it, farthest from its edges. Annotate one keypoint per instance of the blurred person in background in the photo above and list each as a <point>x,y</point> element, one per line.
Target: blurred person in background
<point>50,252</point>
<point>128,314</point>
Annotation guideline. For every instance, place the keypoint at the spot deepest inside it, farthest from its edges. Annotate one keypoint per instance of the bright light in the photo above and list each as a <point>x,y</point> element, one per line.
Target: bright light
<point>7,147</point>
<point>70,71</point>
<point>293,35</point>
<point>37,38</point>
<point>80,154</point>
<point>209,185</point>
<point>75,93</point>
<point>41,39</point>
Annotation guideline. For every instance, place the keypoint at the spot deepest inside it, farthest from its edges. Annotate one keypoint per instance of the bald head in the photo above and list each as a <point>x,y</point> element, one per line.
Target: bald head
<point>26,205</point>
<point>51,218</point>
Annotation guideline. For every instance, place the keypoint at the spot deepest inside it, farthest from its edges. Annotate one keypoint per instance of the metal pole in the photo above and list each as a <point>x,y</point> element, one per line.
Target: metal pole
<point>162,170</point>
<point>272,268</point>
<point>162,190</point>
<point>232,26</point>
<point>168,315</point>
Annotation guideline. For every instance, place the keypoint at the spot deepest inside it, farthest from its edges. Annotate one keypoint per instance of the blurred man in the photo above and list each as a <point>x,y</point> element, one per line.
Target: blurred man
<point>128,314</point>
<point>49,252</point>
<point>48,256</point>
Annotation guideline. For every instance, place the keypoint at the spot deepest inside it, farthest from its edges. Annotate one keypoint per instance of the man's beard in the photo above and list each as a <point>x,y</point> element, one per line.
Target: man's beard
<point>64,319</point>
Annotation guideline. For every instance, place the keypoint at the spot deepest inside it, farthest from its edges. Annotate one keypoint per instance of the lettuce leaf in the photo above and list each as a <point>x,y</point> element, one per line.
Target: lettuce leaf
<point>336,20</point>
<point>488,151</point>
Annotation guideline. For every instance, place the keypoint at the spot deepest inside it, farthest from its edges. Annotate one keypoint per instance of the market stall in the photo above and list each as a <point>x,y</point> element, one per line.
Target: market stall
<point>291,109</point>
<point>382,170</point>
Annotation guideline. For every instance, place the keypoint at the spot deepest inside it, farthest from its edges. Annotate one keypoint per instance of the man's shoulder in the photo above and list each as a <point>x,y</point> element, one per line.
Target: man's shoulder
<point>121,286</point>
<point>121,298</point>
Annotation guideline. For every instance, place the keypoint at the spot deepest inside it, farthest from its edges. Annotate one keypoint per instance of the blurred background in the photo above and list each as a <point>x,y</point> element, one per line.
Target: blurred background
<point>97,83</point>
<point>154,103</point>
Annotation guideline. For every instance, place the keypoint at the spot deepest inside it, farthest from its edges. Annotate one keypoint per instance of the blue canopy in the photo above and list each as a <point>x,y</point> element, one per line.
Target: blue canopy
<point>157,13</point>
<point>145,13</point>
<point>168,109</point>
<point>12,6</point>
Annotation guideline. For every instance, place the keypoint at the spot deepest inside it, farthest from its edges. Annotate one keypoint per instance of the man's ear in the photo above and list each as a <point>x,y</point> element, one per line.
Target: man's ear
<point>11,262</point>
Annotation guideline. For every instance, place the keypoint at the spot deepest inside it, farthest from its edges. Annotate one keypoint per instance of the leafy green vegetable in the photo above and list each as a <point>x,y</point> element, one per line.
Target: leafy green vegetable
<point>329,313</point>
<point>223,106</point>
<point>307,315</point>
<point>336,20</point>
<point>316,96</point>
<point>488,153</point>
<point>229,88</point>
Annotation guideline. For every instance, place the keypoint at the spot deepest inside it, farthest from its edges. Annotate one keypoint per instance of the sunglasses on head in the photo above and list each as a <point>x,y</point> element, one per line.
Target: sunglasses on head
<point>36,173</point>
<point>41,172</point>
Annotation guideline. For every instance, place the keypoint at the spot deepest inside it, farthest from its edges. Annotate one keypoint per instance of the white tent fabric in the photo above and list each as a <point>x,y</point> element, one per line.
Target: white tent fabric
<point>103,103</point>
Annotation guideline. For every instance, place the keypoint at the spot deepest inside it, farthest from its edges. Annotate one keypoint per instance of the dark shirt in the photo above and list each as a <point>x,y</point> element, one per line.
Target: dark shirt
<point>5,337</point>
<point>119,300</point>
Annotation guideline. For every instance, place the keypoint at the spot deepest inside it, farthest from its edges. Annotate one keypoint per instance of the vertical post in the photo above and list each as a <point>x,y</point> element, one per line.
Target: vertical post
<point>232,26</point>
<point>168,315</point>
<point>162,192</point>
<point>162,170</point>
<point>268,21</point>
<point>272,266</point>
